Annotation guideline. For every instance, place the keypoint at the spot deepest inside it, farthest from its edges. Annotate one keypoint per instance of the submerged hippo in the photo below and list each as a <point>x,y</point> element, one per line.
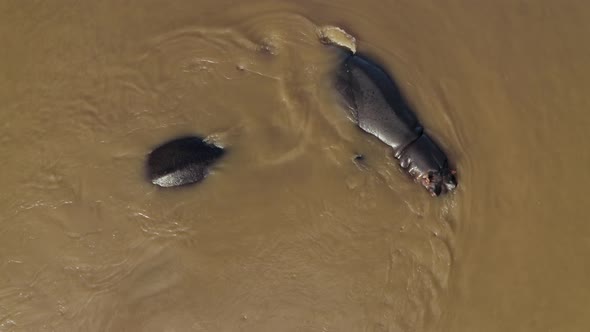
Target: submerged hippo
<point>376,105</point>
<point>182,161</point>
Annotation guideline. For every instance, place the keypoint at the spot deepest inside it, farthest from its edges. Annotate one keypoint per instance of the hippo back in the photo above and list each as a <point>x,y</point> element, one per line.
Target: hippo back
<point>375,103</point>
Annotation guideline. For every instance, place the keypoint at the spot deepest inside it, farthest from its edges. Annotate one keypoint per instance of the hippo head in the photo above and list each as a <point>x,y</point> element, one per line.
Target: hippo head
<point>428,165</point>
<point>439,182</point>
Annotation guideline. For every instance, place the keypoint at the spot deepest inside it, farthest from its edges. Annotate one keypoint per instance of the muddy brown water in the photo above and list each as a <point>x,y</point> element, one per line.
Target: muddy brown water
<point>288,234</point>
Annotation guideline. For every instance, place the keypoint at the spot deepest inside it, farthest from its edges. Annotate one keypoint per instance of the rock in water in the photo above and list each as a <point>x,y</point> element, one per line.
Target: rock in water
<point>182,161</point>
<point>333,35</point>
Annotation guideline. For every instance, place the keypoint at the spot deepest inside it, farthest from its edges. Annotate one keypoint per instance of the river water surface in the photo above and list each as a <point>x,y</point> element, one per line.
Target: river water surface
<point>288,233</point>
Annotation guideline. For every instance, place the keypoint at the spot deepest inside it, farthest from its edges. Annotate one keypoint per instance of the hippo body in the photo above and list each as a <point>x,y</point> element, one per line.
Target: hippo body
<point>374,102</point>
<point>182,161</point>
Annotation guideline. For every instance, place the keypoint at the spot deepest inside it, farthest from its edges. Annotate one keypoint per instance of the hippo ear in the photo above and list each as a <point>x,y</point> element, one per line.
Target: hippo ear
<point>450,181</point>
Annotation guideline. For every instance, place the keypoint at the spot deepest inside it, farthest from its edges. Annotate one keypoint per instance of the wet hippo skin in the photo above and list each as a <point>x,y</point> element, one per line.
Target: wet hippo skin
<point>182,161</point>
<point>374,102</point>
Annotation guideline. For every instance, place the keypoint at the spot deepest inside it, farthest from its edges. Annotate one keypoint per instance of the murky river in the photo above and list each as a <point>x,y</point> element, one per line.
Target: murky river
<point>288,233</point>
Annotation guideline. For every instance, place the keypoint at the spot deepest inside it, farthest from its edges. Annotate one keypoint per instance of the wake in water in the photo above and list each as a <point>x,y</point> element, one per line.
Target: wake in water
<point>285,57</point>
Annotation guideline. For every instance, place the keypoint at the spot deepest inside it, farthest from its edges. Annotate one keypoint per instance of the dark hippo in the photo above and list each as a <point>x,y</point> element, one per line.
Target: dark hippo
<point>375,104</point>
<point>182,161</point>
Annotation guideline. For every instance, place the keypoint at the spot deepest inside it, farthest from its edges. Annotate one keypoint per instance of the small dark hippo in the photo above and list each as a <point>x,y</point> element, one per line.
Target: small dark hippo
<point>182,161</point>
<point>375,104</point>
